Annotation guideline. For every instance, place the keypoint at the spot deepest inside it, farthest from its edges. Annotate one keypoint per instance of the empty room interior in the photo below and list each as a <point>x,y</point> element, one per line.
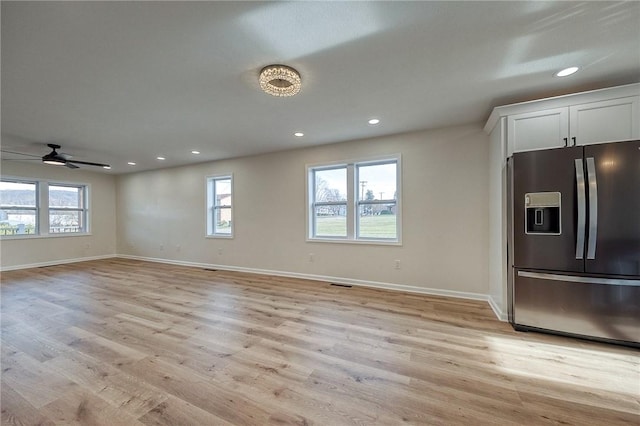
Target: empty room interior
<point>329,213</point>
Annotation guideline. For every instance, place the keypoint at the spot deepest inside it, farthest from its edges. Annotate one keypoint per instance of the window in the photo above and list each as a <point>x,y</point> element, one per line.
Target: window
<point>219,206</point>
<point>18,208</point>
<point>40,208</point>
<point>377,205</point>
<point>67,208</point>
<point>355,201</point>
<point>330,204</point>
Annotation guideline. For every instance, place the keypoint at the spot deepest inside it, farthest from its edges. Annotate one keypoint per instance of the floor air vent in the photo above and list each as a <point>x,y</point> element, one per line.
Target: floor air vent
<point>211,270</point>
<point>341,285</point>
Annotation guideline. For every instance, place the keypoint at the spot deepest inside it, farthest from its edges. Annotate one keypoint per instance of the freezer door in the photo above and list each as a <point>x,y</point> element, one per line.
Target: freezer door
<point>586,306</point>
<point>538,176</point>
<point>613,225</point>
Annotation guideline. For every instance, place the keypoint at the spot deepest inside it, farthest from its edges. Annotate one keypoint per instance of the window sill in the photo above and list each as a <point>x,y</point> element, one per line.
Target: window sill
<point>223,236</point>
<point>357,242</point>
<point>39,236</point>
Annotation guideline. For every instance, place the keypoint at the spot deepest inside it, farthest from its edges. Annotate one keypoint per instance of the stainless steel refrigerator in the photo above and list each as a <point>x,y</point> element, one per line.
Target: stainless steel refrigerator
<point>574,241</point>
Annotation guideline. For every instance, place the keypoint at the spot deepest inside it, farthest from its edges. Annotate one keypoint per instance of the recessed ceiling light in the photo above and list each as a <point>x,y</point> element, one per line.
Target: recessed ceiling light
<point>161,158</point>
<point>131,163</point>
<point>298,134</point>
<point>374,121</point>
<point>195,152</point>
<point>106,167</point>
<point>567,71</point>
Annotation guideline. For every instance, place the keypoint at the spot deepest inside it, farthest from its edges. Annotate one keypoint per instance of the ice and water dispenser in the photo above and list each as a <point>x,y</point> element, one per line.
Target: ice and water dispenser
<point>542,213</point>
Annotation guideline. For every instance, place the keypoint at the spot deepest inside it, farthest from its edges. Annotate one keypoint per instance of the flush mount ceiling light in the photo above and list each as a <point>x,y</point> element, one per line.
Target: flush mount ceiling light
<point>194,152</point>
<point>298,134</point>
<point>567,71</point>
<point>280,80</point>
<point>374,121</point>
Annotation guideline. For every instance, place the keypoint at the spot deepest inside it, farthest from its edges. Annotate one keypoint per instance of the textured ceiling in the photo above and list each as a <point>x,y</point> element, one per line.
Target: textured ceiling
<point>128,81</point>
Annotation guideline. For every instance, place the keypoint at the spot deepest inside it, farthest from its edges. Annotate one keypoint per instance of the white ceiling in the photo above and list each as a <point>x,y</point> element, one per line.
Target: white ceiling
<point>128,81</point>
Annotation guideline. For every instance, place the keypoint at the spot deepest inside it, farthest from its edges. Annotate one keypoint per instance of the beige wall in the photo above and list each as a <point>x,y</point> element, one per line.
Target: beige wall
<point>51,250</point>
<point>161,214</point>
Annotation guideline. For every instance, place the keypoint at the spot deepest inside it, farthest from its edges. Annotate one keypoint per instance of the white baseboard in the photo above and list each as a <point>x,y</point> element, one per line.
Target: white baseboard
<point>313,277</point>
<point>324,278</point>
<point>496,309</point>
<point>56,262</point>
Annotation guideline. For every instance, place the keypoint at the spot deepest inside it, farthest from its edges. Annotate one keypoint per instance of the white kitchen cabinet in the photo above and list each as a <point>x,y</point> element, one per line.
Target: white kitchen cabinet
<point>593,122</point>
<point>605,121</point>
<point>598,116</point>
<point>544,129</point>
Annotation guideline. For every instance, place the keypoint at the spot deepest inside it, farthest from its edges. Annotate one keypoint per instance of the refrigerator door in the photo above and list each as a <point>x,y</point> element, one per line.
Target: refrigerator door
<point>593,307</point>
<point>613,225</point>
<point>538,178</point>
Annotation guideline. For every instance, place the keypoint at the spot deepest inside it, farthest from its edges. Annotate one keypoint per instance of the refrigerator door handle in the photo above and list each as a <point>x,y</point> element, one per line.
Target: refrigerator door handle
<point>593,208</point>
<point>579,279</point>
<point>582,210</point>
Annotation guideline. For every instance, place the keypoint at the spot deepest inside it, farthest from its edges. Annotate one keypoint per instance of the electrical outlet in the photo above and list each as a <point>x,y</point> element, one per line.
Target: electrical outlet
<point>397,264</point>
<point>219,251</point>
<point>161,247</point>
<point>310,257</point>
<point>178,248</point>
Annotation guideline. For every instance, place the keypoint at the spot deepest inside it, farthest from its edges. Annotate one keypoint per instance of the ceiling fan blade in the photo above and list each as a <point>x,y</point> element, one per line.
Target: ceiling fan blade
<point>88,163</point>
<point>20,153</point>
<point>65,156</point>
<point>71,166</point>
<point>22,159</point>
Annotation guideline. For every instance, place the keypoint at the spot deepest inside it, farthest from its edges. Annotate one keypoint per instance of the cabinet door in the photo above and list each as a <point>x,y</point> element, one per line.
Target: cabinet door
<point>605,121</point>
<point>537,130</point>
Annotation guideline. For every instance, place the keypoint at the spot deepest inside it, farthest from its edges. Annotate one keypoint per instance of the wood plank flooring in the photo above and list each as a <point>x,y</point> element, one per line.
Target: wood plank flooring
<point>122,342</point>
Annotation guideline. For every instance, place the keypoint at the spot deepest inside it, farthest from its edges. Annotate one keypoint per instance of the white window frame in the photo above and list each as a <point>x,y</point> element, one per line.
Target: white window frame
<point>353,201</point>
<point>213,208</point>
<point>312,193</point>
<point>35,209</point>
<point>42,208</point>
<point>83,210</point>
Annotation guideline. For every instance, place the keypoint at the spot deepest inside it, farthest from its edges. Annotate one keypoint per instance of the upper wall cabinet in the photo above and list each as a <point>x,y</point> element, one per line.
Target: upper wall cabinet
<point>605,121</point>
<point>599,116</point>
<point>544,129</point>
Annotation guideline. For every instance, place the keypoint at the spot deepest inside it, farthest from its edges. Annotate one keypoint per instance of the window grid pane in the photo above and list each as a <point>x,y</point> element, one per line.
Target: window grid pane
<point>18,194</point>
<point>330,221</point>
<point>377,181</point>
<point>330,184</point>
<point>18,221</point>
<point>223,192</point>
<point>65,221</point>
<point>377,221</point>
<point>222,220</point>
<point>66,196</point>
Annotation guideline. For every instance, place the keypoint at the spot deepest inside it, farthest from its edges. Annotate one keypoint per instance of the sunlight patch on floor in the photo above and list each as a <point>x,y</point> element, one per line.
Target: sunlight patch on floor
<point>576,366</point>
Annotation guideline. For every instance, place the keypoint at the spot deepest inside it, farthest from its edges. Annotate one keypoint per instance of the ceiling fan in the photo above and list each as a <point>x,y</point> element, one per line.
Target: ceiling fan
<point>58,159</point>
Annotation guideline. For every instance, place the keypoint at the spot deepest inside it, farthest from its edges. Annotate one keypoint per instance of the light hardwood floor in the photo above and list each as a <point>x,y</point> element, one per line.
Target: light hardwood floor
<point>126,342</point>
